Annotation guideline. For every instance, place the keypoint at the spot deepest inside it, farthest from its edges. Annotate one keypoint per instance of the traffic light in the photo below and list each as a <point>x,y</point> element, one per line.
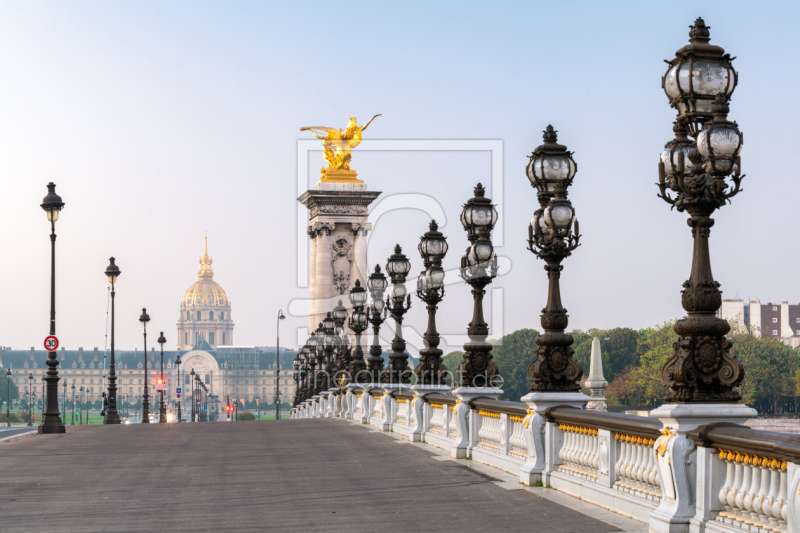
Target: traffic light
<point>159,381</point>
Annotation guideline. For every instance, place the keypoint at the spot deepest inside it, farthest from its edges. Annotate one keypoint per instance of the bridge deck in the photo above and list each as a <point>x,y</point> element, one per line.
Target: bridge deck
<point>307,475</point>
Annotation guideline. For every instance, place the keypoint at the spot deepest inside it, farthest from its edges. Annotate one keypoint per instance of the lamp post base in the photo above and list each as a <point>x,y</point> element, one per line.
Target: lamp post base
<point>52,429</point>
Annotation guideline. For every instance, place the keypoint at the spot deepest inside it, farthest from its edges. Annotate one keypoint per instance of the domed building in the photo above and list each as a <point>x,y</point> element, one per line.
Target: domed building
<point>205,311</point>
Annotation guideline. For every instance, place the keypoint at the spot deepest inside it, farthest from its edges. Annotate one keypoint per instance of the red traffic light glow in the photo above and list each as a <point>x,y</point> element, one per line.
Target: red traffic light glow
<point>160,381</point>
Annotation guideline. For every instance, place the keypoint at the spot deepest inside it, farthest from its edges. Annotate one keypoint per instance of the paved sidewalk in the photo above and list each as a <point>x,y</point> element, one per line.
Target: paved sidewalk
<point>303,476</point>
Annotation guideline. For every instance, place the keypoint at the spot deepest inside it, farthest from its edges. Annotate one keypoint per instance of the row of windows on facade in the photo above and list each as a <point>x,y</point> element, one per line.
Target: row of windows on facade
<point>775,332</point>
<point>200,315</point>
<point>210,338</point>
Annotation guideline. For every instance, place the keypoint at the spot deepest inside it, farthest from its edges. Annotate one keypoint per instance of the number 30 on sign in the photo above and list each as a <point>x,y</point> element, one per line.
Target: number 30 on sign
<point>51,343</point>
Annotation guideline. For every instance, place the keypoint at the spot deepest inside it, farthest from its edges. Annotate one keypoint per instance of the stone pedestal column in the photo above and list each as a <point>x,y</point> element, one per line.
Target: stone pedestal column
<point>677,461</point>
<point>338,229</point>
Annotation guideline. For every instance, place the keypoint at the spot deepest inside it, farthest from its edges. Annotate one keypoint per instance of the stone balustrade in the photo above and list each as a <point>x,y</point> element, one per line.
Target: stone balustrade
<point>737,478</point>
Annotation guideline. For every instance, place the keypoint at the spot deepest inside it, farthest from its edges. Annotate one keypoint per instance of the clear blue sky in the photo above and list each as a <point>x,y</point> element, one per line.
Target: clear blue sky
<point>159,121</point>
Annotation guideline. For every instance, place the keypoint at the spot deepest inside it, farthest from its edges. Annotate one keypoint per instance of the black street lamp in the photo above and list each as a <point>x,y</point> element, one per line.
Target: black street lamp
<point>376,315</point>
<point>51,418</point>
<point>699,83</point>
<point>342,357</point>
<point>194,402</point>
<point>8,396</point>
<point>430,289</point>
<point>278,368</point>
<point>64,402</point>
<point>30,389</point>
<point>358,324</point>
<point>398,302</point>
<point>144,318</point>
<point>478,269</point>
<point>180,384</point>
<point>329,342</point>
<point>73,403</point>
<point>310,363</point>
<point>552,239</point>
<point>162,406</point>
<point>112,416</point>
<point>80,410</point>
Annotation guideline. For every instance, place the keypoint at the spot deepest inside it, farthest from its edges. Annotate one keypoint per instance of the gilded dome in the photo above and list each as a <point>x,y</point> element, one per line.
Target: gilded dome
<point>205,292</point>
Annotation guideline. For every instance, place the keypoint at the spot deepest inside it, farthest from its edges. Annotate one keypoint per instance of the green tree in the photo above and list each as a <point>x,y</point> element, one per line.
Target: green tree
<point>451,361</point>
<point>641,384</point>
<point>769,365</point>
<point>5,384</point>
<point>512,355</point>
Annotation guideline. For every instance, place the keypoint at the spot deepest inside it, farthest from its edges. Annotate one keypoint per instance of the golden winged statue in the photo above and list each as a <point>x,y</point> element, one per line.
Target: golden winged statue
<point>337,145</point>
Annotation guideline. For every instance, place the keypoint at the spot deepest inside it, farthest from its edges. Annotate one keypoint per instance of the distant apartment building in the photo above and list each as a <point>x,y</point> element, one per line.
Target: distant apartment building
<point>778,321</point>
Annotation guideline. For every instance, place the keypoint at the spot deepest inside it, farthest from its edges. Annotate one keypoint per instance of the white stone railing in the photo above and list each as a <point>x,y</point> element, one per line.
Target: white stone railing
<point>489,430</point>
<point>436,422</point>
<point>636,467</point>
<point>724,479</point>
<point>754,492</point>
<point>579,451</point>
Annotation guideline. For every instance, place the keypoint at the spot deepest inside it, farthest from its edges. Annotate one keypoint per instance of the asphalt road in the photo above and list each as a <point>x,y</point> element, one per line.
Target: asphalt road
<point>302,476</point>
<point>6,431</point>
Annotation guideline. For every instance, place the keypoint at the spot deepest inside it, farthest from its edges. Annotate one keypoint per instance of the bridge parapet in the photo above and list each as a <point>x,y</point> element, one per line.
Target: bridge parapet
<point>738,479</point>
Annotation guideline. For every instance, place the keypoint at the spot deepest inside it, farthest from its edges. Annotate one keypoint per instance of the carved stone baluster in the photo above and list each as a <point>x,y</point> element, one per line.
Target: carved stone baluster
<point>762,518</point>
<point>755,481</point>
<point>779,506</point>
<point>726,456</point>
<point>741,496</point>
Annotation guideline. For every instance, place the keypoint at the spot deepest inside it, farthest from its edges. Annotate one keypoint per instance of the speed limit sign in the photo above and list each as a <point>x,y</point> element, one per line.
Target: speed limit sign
<point>51,343</point>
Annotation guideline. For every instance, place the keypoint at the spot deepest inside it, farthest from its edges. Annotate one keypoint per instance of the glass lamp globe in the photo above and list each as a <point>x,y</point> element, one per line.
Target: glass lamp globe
<point>358,295</point>
<point>328,323</point>
<point>399,292</point>
<point>398,264</point>
<point>377,306</point>
<point>377,282</point>
<point>433,245</point>
<point>551,164</point>
<point>699,73</point>
<point>478,213</point>
<point>559,216</point>
<point>339,313</point>
<point>435,278</point>
<point>720,142</point>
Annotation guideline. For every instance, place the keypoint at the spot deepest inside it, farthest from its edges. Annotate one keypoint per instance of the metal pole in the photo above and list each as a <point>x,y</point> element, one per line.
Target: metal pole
<point>30,389</point>
<point>112,415</point>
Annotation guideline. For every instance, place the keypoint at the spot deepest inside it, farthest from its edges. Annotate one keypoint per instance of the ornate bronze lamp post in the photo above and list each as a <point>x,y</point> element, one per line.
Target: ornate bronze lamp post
<point>376,315</point>
<point>180,384</point>
<point>478,269</point>
<point>551,238</point>
<point>341,361</point>
<point>73,403</point>
<point>430,289</point>
<point>194,402</point>
<point>398,303</point>
<point>278,368</point>
<point>358,324</point>
<point>702,376</point>
<point>144,318</point>
<point>80,410</point>
<point>112,416</point>
<point>699,82</point>
<point>30,390</point>
<point>162,405</point>
<point>8,396</point>
<point>51,418</point>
